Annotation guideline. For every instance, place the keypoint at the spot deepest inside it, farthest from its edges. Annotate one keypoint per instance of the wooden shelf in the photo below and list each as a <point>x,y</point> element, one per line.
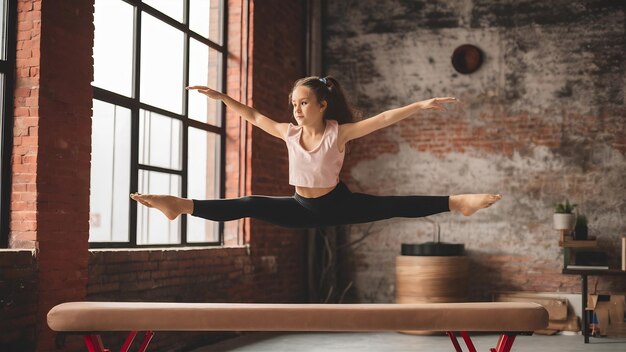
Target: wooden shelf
<point>579,244</point>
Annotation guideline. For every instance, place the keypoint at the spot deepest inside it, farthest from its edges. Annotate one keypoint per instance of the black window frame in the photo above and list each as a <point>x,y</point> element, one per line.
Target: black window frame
<point>7,67</point>
<point>134,105</point>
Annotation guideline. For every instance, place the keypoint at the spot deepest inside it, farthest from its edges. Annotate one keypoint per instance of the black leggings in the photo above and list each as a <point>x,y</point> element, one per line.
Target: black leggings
<point>338,207</point>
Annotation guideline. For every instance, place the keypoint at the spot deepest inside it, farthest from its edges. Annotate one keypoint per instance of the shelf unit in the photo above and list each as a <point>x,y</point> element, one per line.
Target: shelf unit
<point>570,247</point>
<point>579,244</point>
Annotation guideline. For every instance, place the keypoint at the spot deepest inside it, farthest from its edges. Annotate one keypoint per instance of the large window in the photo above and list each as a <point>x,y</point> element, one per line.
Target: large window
<point>8,11</point>
<point>149,134</point>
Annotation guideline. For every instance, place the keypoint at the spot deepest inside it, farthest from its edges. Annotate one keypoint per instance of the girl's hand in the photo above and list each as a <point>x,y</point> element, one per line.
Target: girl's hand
<point>211,93</point>
<point>435,103</point>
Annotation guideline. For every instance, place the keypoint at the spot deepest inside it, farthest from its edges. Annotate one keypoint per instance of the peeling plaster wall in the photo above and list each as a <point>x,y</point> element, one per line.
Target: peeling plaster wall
<point>542,120</point>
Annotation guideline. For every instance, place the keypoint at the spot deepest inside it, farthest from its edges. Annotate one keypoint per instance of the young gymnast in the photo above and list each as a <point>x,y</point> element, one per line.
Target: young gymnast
<point>316,148</point>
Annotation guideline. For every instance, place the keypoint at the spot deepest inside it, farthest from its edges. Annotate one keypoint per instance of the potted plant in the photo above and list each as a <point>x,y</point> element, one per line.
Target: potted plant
<point>563,217</point>
<point>581,230</point>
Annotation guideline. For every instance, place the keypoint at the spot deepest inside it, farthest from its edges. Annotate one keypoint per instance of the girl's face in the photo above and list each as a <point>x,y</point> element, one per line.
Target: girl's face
<point>306,109</point>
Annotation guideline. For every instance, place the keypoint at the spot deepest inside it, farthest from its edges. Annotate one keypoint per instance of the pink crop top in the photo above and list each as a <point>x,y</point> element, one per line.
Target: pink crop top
<point>318,167</point>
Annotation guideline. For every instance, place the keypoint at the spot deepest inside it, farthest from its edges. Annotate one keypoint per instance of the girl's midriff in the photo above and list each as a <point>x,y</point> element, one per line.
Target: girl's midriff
<point>308,192</point>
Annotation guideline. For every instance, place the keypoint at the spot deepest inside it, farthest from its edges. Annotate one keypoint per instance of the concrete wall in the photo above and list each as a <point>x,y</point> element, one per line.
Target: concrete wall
<point>543,120</point>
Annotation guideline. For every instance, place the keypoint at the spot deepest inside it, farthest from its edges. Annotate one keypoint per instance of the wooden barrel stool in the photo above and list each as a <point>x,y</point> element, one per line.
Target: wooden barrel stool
<point>431,279</point>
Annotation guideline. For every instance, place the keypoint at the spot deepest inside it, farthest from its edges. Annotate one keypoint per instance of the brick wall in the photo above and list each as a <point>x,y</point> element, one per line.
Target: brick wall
<point>185,275</point>
<point>279,61</point>
<point>64,140</point>
<point>190,275</point>
<point>51,95</point>
<point>26,126</point>
<point>237,141</point>
<point>18,300</point>
<point>543,120</point>
<point>18,269</point>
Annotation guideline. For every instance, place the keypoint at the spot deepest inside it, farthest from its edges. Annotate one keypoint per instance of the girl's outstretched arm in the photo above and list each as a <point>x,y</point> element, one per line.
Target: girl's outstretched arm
<point>350,131</point>
<point>263,122</point>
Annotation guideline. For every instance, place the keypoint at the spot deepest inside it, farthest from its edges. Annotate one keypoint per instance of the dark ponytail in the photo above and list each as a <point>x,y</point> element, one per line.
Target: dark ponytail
<point>328,89</point>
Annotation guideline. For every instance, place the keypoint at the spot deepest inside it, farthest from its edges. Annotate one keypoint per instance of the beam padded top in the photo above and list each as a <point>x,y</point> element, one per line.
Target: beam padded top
<point>144,316</point>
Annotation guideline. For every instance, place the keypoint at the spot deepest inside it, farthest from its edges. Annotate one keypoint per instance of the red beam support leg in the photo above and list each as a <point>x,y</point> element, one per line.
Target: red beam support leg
<point>94,343</point>
<point>129,341</point>
<point>468,341</point>
<point>498,345</point>
<point>501,342</point>
<point>505,343</point>
<point>508,343</point>
<point>457,347</point>
<point>146,340</point>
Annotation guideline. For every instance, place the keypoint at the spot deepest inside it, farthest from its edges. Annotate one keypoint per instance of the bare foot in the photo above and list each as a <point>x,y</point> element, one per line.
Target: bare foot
<point>169,205</point>
<point>468,204</point>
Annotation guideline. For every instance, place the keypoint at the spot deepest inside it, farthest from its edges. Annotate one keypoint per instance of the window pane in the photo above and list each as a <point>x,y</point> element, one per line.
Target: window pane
<point>172,8</point>
<point>113,46</point>
<point>161,64</point>
<point>204,69</point>
<point>203,181</point>
<point>159,140</point>
<point>110,167</point>
<point>205,19</point>
<point>152,226</point>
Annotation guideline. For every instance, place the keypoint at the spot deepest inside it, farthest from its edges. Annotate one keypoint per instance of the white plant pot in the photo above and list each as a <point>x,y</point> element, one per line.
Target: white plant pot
<point>564,221</point>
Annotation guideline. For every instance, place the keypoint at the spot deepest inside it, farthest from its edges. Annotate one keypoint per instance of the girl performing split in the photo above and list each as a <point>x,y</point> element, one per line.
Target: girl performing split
<point>316,147</point>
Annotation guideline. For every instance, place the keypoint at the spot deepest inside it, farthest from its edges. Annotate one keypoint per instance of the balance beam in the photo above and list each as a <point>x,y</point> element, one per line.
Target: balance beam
<point>90,318</point>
